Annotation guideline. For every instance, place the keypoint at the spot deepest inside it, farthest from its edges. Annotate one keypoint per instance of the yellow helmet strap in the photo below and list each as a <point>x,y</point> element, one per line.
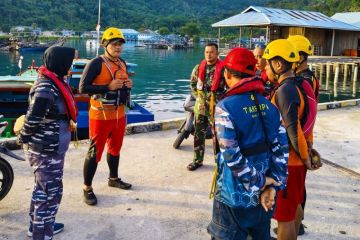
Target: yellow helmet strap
<point>109,53</point>
<point>273,70</point>
<point>305,57</point>
<point>277,75</point>
<point>106,43</point>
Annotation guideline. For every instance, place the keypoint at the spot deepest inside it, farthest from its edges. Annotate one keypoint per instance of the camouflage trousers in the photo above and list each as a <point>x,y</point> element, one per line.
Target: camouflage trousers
<point>201,124</point>
<point>47,193</point>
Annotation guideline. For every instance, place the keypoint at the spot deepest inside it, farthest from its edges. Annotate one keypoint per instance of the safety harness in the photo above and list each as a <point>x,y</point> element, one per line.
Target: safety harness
<point>113,98</point>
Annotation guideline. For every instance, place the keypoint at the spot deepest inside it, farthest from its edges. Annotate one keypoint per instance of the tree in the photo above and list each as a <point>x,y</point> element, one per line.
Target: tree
<point>5,28</point>
<point>164,31</point>
<point>186,15</point>
<point>190,29</point>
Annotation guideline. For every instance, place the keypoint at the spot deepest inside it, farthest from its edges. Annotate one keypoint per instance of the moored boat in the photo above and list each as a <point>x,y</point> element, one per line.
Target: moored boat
<point>14,91</point>
<point>33,46</point>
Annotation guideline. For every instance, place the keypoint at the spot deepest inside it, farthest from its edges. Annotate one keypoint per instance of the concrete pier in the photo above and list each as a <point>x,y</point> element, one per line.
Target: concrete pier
<point>168,202</point>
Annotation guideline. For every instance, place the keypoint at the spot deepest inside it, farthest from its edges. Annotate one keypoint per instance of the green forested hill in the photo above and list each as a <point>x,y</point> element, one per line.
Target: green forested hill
<point>82,14</point>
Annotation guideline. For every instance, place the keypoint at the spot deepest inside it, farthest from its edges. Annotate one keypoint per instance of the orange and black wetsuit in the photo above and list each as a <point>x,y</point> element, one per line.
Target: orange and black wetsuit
<point>106,121</point>
<point>309,76</point>
<point>290,102</point>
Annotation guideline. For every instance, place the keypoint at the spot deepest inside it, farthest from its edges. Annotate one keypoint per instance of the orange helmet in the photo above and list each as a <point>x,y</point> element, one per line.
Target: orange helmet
<point>241,60</point>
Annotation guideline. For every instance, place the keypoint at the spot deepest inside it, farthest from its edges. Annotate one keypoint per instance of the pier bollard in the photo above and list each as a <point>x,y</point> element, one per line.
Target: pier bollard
<point>321,73</point>
<point>328,66</point>
<point>345,75</point>
<point>355,79</point>
<point>336,79</point>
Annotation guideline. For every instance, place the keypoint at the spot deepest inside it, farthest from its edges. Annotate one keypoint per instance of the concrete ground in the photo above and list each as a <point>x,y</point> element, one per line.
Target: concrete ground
<point>169,202</point>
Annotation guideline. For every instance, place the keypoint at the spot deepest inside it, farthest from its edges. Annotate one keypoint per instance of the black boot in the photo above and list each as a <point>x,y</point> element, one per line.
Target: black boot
<point>119,184</point>
<point>114,180</point>
<point>90,166</point>
<point>89,197</point>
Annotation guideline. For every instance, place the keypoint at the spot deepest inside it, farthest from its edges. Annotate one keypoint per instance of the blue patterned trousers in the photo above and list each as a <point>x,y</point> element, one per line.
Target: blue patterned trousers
<point>47,193</point>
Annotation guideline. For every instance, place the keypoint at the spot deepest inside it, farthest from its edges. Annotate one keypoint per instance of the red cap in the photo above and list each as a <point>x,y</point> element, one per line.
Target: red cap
<point>241,60</point>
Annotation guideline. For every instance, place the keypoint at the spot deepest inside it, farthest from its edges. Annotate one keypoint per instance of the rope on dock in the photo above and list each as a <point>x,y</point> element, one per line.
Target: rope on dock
<point>341,168</point>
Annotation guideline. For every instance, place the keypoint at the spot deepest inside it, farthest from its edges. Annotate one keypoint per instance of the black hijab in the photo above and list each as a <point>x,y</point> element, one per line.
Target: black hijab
<point>59,60</point>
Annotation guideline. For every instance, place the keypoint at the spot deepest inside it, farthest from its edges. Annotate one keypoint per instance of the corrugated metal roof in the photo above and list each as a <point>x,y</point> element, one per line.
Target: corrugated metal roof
<point>129,31</point>
<point>244,19</point>
<point>352,18</point>
<point>264,16</point>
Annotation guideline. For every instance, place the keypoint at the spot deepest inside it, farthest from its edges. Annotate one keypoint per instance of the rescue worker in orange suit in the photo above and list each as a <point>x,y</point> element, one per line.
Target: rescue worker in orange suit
<point>105,79</point>
<point>303,46</point>
<point>281,54</point>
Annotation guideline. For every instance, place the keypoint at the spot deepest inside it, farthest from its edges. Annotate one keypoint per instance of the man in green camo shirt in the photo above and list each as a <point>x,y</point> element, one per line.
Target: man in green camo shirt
<point>207,85</point>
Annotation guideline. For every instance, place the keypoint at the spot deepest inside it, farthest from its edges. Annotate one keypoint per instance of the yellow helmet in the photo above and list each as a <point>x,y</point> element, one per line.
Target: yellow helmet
<point>281,48</point>
<point>112,33</point>
<point>301,43</point>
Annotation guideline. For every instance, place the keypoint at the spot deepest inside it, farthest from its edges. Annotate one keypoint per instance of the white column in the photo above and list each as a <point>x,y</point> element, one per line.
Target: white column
<point>251,31</point>
<point>267,35</point>
<point>219,38</point>
<point>98,30</point>
<point>336,79</point>
<point>240,37</point>
<point>332,43</point>
<point>355,79</point>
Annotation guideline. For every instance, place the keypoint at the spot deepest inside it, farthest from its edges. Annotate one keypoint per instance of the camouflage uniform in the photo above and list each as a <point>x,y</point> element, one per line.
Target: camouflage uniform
<point>201,110</point>
<point>46,144</point>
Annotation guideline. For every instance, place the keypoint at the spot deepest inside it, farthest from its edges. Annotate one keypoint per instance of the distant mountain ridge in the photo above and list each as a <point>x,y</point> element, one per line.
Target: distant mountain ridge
<point>81,15</point>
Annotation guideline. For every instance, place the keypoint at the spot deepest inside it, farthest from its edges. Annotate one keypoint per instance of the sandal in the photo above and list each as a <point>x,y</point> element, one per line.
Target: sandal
<point>193,166</point>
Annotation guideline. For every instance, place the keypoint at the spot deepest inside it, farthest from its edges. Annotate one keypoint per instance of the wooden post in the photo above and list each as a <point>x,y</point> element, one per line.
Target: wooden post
<point>352,69</point>
<point>328,66</point>
<point>321,73</point>
<point>336,79</point>
<point>240,37</point>
<point>219,38</point>
<point>355,79</point>
<point>251,33</point>
<point>345,75</point>
<point>332,43</point>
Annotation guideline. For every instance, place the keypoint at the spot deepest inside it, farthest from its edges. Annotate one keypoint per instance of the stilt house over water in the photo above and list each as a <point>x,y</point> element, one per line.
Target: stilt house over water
<point>330,37</point>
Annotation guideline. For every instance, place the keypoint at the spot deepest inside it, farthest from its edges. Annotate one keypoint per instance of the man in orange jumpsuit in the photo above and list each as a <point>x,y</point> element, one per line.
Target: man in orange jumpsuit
<point>105,78</point>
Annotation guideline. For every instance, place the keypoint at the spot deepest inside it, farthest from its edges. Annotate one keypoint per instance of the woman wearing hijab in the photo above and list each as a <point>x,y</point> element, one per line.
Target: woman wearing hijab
<point>46,134</point>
